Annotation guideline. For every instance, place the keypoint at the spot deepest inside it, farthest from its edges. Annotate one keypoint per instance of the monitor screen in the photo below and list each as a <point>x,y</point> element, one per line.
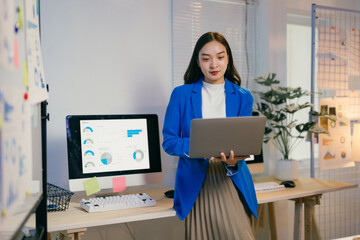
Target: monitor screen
<point>107,146</point>
<point>255,163</point>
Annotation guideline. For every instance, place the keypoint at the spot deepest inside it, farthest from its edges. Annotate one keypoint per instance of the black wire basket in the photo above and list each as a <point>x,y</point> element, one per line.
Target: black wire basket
<point>58,198</point>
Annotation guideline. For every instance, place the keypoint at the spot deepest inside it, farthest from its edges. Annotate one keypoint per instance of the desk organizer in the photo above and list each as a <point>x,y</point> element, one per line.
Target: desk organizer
<point>58,198</point>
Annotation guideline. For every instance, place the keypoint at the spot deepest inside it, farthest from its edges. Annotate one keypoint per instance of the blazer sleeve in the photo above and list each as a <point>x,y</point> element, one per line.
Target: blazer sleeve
<point>173,142</point>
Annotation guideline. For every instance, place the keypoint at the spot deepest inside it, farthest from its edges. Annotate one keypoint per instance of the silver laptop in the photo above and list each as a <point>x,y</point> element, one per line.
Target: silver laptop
<point>210,137</point>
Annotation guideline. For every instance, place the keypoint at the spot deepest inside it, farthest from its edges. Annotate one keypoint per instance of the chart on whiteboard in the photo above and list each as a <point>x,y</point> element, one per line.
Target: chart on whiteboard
<point>36,78</point>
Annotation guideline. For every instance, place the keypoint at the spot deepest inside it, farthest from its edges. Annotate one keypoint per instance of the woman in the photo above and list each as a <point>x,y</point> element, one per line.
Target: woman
<point>215,195</point>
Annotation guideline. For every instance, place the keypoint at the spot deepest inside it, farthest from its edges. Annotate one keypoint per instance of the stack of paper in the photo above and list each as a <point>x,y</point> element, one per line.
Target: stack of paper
<point>268,186</point>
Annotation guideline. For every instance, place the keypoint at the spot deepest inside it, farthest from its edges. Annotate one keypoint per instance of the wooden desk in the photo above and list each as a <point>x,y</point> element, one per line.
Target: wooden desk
<point>306,195</point>
<point>76,220</point>
<point>307,192</point>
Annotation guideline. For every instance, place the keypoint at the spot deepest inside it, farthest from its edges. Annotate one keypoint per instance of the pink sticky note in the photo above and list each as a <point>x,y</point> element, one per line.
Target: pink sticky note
<point>16,54</point>
<point>119,184</point>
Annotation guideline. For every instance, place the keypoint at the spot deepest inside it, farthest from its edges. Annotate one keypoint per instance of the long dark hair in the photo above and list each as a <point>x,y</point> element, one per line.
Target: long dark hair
<point>193,72</point>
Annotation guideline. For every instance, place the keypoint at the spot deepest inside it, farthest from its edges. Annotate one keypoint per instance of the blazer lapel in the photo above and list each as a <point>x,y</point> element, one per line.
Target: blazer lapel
<point>196,99</point>
<point>231,100</point>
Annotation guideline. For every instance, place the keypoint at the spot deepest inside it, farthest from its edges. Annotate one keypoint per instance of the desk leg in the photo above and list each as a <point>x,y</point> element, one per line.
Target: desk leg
<point>298,219</point>
<point>272,220</point>
<point>75,234</point>
<point>311,227</point>
<point>261,216</point>
<point>316,232</point>
<point>260,221</point>
<point>308,222</point>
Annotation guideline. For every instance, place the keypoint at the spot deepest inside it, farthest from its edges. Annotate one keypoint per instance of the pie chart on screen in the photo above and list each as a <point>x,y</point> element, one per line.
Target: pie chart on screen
<point>138,155</point>
<point>89,164</point>
<point>106,158</point>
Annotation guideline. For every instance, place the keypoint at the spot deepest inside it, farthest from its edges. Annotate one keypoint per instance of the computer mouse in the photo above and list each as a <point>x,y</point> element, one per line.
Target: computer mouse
<point>288,184</point>
<point>169,194</point>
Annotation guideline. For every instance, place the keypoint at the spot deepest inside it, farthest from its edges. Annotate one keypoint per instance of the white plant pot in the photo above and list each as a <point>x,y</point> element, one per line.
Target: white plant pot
<point>287,170</point>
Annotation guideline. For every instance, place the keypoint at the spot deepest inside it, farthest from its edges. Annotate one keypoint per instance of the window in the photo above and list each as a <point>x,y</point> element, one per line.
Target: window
<point>299,69</point>
<point>234,19</point>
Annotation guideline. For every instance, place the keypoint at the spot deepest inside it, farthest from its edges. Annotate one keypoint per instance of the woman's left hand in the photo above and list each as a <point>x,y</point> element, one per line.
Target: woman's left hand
<point>231,160</point>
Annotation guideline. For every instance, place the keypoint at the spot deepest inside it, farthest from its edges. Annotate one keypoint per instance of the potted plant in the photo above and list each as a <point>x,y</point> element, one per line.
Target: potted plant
<point>279,105</point>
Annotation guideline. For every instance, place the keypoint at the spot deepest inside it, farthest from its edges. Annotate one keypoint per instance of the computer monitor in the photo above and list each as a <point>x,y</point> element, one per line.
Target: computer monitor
<point>107,146</point>
<point>256,163</point>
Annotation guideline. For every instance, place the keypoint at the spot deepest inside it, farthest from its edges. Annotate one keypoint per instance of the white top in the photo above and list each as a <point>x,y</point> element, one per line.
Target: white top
<point>213,100</point>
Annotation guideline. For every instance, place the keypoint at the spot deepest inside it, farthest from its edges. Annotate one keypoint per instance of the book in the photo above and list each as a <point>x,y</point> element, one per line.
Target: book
<point>268,186</point>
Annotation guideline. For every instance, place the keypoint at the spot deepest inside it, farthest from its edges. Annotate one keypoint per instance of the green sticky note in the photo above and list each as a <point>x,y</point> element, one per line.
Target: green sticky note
<point>21,16</point>
<point>25,74</point>
<point>91,186</point>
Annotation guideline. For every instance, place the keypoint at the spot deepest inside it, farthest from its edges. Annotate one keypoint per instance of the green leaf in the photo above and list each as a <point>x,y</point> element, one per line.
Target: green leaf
<point>267,130</point>
<point>273,97</point>
<point>293,108</point>
<point>267,81</point>
<point>304,127</point>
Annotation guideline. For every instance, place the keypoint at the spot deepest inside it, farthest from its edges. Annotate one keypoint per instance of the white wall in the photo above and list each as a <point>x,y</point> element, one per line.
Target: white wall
<point>104,57</point>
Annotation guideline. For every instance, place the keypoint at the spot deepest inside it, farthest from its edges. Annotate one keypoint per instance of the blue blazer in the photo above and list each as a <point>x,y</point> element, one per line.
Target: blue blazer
<point>184,105</point>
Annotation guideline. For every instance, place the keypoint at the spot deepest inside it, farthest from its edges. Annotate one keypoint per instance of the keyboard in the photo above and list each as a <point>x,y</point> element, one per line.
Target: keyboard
<point>102,204</point>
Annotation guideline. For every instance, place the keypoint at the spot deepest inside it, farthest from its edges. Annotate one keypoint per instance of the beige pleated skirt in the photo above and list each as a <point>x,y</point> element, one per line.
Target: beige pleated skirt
<point>218,212</point>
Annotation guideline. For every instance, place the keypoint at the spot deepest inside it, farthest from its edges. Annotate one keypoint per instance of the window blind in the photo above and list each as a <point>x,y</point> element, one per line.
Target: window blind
<point>233,19</point>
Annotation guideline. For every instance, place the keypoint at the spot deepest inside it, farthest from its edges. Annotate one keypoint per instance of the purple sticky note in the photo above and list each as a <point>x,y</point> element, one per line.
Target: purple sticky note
<point>119,184</point>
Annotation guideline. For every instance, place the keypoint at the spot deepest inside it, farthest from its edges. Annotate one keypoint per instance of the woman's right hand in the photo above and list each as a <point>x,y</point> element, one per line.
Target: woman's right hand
<point>231,160</point>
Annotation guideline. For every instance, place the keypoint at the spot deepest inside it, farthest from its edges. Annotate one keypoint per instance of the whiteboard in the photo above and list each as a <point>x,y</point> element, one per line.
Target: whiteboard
<point>20,130</point>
